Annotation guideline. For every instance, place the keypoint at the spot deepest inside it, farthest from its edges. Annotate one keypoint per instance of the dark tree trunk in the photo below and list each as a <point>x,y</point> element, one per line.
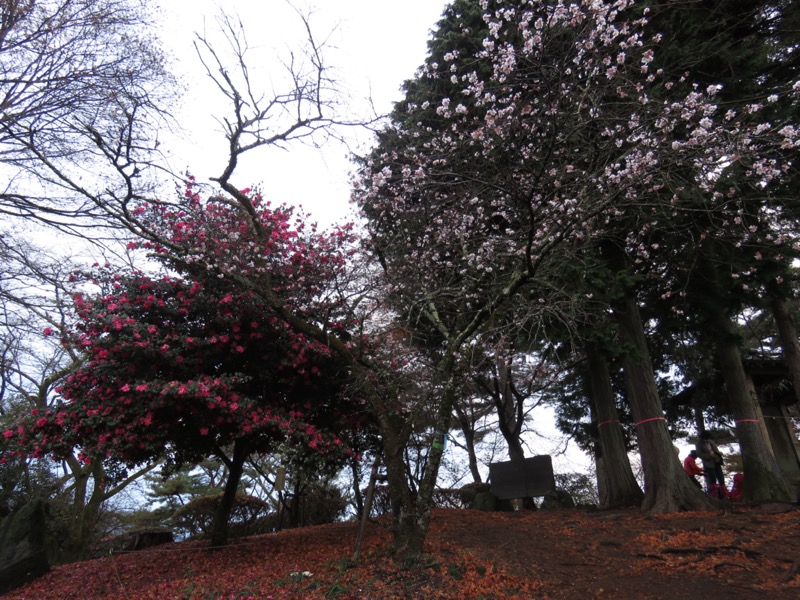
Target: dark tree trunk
<point>468,429</point>
<point>762,477</point>
<point>472,457</point>
<point>600,476</point>
<point>412,537</point>
<point>394,438</point>
<point>788,336</point>
<point>359,499</point>
<point>667,488</point>
<point>85,510</point>
<point>76,546</point>
<point>619,484</point>
<point>219,529</point>
<point>296,510</point>
<point>699,422</point>
<point>509,411</point>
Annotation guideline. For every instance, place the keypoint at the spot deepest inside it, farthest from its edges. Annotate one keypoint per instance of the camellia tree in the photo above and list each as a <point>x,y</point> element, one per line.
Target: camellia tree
<point>37,311</point>
<point>185,366</point>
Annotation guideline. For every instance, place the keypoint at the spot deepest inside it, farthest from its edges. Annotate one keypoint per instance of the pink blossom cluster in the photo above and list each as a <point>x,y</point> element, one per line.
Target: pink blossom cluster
<point>549,135</point>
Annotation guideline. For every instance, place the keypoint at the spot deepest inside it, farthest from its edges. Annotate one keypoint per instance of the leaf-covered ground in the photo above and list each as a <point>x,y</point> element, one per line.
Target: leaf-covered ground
<point>741,552</point>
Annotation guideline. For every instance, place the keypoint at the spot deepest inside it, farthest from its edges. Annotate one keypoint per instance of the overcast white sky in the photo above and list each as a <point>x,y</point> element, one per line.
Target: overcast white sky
<point>374,45</point>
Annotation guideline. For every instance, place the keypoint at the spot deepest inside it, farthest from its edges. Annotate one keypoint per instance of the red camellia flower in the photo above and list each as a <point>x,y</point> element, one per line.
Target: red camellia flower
<point>174,368</point>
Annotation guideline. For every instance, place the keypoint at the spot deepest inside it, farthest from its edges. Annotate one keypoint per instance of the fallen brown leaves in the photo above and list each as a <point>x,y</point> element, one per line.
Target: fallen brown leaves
<point>743,552</point>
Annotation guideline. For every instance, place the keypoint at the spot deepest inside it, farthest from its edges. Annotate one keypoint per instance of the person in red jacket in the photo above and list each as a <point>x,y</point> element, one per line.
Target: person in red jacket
<point>691,467</point>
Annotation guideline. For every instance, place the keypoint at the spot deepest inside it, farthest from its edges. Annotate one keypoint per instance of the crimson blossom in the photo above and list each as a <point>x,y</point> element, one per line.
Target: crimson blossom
<point>189,365</point>
<point>259,247</point>
<point>177,364</point>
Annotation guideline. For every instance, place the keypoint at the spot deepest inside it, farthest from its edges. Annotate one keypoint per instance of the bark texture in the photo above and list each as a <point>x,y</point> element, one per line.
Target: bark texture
<point>219,530</point>
<point>788,336</point>
<point>620,487</point>
<point>667,488</point>
<point>762,477</point>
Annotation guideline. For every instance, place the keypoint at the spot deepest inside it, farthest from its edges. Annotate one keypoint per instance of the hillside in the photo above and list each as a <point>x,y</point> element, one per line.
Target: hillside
<point>742,552</point>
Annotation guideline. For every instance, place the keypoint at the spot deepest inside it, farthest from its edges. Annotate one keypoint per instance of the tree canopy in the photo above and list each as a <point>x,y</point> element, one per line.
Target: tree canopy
<point>574,198</point>
<point>184,366</point>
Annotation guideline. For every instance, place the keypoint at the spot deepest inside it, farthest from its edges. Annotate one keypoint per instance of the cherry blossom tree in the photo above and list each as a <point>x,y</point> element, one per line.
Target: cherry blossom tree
<point>696,246</point>
<point>555,130</point>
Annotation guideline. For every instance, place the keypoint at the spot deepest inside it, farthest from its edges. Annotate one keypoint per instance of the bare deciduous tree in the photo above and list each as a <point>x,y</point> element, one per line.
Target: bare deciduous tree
<point>83,91</point>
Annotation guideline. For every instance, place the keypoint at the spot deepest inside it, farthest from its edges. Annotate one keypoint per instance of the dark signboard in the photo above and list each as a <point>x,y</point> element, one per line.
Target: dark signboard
<point>522,478</point>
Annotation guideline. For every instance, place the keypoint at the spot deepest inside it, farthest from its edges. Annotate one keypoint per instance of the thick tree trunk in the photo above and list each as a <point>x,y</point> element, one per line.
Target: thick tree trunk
<point>509,411</point>
<point>86,508</point>
<point>394,437</point>
<point>413,536</point>
<point>619,484</point>
<point>600,477</point>
<point>220,527</point>
<point>75,547</point>
<point>667,488</point>
<point>788,336</point>
<point>762,477</point>
<point>699,423</point>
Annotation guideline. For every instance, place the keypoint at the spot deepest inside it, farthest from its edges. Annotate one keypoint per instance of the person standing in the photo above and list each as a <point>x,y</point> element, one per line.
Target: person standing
<point>712,465</point>
<point>692,468</point>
